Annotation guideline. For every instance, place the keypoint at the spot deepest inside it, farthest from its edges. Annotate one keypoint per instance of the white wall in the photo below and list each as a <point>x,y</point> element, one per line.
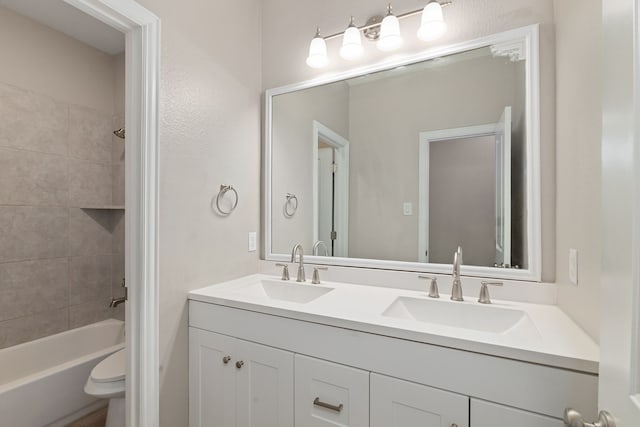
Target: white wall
<point>209,135</point>
<point>285,42</point>
<point>579,125</point>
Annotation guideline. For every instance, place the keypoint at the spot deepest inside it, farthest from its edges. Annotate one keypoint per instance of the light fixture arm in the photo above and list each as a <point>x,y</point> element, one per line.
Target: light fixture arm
<point>377,24</point>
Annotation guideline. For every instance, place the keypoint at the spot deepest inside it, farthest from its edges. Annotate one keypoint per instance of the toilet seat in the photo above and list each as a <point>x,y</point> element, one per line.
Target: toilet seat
<point>110,369</point>
<point>107,379</point>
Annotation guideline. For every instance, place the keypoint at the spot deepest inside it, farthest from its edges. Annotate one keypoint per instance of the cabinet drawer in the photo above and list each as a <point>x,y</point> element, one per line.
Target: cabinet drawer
<point>398,403</point>
<point>328,394</point>
<point>486,414</point>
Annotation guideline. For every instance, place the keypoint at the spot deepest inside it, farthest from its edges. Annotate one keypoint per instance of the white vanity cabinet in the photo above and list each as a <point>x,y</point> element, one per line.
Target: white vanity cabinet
<point>398,403</point>
<point>487,414</point>
<point>380,380</point>
<point>328,394</point>
<point>233,382</point>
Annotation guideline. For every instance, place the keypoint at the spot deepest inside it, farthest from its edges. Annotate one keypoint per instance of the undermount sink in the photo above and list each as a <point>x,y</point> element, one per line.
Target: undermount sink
<point>466,315</point>
<point>290,292</point>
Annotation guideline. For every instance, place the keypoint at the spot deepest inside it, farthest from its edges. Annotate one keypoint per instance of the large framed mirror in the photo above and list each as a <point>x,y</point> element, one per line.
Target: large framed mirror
<point>395,165</point>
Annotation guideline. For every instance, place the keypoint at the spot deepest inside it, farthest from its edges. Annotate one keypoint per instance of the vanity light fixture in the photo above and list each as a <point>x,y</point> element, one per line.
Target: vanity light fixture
<point>390,38</point>
<point>385,32</point>
<point>432,23</point>
<point>351,43</point>
<point>317,51</point>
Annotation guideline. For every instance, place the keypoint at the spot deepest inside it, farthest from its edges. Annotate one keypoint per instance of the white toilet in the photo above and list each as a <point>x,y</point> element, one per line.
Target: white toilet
<point>107,382</point>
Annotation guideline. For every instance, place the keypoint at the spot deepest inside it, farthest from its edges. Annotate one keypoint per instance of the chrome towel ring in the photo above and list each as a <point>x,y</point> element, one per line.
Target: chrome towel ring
<point>290,207</point>
<point>223,190</point>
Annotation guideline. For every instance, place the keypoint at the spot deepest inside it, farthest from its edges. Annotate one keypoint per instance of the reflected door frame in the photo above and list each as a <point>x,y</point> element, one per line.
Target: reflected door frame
<point>341,197</point>
<point>427,137</point>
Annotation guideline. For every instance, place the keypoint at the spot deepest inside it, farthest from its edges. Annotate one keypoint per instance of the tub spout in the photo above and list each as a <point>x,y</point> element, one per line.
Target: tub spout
<point>116,302</point>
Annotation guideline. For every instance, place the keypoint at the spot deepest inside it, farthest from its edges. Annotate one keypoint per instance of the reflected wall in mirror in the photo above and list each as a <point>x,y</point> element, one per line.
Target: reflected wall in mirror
<point>396,167</point>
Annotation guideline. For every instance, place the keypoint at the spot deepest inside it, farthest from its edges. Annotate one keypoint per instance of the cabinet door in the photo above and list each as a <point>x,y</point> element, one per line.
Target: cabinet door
<point>211,380</point>
<point>264,383</point>
<point>328,394</point>
<point>486,414</point>
<point>397,403</point>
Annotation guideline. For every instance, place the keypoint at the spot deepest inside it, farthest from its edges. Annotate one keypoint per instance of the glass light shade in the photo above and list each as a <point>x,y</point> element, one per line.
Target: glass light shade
<point>351,44</point>
<point>433,25</point>
<point>390,38</point>
<point>317,53</point>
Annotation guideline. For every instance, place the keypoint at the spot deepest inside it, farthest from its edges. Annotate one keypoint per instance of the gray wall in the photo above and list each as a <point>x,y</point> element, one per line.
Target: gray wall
<point>57,262</point>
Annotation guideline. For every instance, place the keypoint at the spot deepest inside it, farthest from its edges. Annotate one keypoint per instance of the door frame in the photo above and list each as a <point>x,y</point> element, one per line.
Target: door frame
<point>142,31</point>
<point>341,145</point>
<point>425,139</point>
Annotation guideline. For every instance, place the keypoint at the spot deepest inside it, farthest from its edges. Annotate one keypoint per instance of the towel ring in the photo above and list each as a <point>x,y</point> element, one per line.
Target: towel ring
<point>289,207</point>
<point>223,191</point>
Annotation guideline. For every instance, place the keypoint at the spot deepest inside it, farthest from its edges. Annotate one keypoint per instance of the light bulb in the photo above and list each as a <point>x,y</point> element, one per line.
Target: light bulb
<point>390,38</point>
<point>433,25</point>
<point>351,43</point>
<point>317,52</point>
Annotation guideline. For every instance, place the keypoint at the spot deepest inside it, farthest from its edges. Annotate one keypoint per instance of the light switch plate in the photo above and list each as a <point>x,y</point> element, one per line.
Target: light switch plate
<point>573,266</point>
<point>407,208</point>
<point>252,241</point>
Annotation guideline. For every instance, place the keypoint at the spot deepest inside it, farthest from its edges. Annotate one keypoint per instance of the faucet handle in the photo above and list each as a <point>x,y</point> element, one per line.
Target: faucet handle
<point>315,279</point>
<point>285,271</point>
<point>433,287</point>
<point>484,291</point>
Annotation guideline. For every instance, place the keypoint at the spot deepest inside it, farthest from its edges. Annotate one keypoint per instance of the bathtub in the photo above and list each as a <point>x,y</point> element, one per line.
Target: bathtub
<point>42,381</point>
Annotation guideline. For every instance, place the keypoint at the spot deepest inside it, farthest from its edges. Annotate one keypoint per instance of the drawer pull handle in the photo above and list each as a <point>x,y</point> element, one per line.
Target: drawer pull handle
<point>329,406</point>
<point>226,359</point>
<point>239,364</point>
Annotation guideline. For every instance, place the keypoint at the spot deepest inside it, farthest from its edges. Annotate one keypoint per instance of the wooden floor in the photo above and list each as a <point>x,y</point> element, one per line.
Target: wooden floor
<point>94,419</point>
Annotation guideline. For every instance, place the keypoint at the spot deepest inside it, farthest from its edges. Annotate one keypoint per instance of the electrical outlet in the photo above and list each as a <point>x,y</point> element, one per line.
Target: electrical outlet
<point>407,208</point>
<point>252,241</point>
<point>573,266</point>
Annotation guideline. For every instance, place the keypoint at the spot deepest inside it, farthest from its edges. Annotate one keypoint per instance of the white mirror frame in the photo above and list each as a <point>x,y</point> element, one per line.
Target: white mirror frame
<point>530,36</point>
<point>142,76</point>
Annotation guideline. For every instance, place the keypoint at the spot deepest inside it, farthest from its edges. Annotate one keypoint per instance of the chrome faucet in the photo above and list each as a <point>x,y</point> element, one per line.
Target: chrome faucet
<point>456,284</point>
<point>297,249</point>
<point>318,245</point>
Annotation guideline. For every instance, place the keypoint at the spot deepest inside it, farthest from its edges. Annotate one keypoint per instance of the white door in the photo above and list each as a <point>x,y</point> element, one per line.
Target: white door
<point>212,394</point>
<point>398,403</point>
<point>619,385</point>
<point>264,384</point>
<point>503,188</point>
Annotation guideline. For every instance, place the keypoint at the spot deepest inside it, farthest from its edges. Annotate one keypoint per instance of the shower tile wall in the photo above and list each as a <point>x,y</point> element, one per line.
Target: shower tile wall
<point>59,264</point>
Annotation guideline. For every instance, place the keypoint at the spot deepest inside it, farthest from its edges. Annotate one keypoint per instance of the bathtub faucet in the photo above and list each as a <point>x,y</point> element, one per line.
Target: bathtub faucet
<point>116,302</point>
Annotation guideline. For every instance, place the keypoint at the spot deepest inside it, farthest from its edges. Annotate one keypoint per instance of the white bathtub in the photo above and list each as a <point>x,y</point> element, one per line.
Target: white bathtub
<point>42,381</point>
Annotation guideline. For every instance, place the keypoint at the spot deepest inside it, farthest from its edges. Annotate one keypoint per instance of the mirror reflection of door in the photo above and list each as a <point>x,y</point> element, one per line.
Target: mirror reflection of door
<point>465,194</point>
<point>330,190</point>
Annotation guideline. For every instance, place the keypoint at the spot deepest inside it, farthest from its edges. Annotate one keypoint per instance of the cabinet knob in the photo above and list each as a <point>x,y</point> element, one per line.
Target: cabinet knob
<point>239,364</point>
<point>454,425</point>
<point>226,359</point>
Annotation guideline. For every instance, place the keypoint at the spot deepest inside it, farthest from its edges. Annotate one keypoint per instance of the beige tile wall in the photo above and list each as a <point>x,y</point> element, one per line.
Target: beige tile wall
<point>60,265</point>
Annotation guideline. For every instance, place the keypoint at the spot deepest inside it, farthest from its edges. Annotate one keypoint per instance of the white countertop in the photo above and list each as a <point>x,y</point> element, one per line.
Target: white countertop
<point>547,337</point>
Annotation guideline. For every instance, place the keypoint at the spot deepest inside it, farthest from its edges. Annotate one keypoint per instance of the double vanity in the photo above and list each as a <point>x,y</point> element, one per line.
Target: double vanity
<point>271,352</point>
<point>347,157</point>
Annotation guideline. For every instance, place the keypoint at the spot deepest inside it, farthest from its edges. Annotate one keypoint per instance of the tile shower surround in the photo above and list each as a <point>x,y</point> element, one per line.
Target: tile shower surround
<point>59,265</point>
